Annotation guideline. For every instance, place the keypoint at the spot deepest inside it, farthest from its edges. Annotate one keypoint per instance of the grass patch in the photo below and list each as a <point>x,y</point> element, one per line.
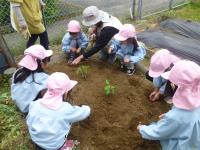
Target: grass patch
<point>13,132</point>
<point>190,11</point>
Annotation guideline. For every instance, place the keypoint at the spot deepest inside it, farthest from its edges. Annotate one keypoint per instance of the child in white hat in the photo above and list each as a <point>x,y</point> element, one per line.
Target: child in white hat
<point>128,51</point>
<point>50,118</point>
<point>179,128</point>
<point>75,41</point>
<point>29,81</point>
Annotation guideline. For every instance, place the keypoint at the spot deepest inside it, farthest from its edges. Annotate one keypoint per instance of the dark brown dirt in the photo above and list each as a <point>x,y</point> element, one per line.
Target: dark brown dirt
<point>114,119</point>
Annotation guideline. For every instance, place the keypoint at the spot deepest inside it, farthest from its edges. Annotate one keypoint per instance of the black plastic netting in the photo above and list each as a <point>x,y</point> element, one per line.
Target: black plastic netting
<point>180,37</point>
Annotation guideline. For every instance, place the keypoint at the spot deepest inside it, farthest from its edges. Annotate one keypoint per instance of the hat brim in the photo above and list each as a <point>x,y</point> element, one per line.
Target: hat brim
<point>48,53</point>
<point>154,74</point>
<point>120,38</point>
<point>166,75</point>
<point>74,31</point>
<point>28,62</point>
<point>72,84</point>
<point>91,22</point>
<point>103,16</point>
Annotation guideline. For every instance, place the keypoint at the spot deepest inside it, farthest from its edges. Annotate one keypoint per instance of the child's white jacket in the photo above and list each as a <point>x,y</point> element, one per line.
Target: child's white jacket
<point>49,128</point>
<point>23,93</point>
<point>178,130</point>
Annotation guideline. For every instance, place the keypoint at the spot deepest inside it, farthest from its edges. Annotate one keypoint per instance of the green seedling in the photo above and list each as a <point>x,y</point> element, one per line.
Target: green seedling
<point>83,71</point>
<point>109,89</point>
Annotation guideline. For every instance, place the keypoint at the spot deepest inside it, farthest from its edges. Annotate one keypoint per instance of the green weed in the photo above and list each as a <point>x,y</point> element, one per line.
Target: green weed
<point>109,89</point>
<point>83,71</point>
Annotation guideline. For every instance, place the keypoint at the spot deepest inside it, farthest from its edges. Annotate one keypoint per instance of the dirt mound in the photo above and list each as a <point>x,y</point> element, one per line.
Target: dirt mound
<point>112,124</point>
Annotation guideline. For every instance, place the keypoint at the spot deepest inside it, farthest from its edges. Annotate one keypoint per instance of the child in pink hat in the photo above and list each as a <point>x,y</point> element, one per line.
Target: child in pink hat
<point>161,61</point>
<point>50,118</point>
<point>127,49</point>
<point>29,81</point>
<point>75,41</point>
<point>179,128</point>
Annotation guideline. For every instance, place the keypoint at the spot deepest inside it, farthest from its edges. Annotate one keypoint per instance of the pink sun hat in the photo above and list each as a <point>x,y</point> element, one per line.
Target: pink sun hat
<point>160,61</point>
<point>127,31</point>
<point>31,55</point>
<point>57,84</point>
<point>74,26</point>
<point>186,75</point>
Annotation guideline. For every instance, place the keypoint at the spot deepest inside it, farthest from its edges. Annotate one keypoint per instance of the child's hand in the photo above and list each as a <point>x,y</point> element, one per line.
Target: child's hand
<point>155,95</point>
<point>152,95</point>
<point>78,50</point>
<point>126,60</point>
<point>110,50</point>
<point>91,30</point>
<point>139,126</point>
<point>73,49</point>
<point>92,33</point>
<point>92,37</point>
<point>77,60</point>
<point>161,116</point>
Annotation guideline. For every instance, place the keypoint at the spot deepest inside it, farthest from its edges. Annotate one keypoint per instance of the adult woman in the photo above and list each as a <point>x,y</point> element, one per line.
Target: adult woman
<point>104,27</point>
<point>26,18</point>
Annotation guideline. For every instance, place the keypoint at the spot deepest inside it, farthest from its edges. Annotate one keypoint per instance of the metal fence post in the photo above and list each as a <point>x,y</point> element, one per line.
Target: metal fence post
<point>132,9</point>
<point>4,48</point>
<point>170,4</point>
<point>139,9</point>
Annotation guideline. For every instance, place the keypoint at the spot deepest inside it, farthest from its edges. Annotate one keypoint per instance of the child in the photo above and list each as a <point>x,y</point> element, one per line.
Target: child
<point>127,48</point>
<point>49,119</point>
<point>29,81</point>
<point>178,129</point>
<point>74,42</point>
<point>161,61</point>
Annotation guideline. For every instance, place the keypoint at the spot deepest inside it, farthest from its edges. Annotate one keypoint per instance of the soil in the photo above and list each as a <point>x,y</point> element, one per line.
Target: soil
<point>114,119</point>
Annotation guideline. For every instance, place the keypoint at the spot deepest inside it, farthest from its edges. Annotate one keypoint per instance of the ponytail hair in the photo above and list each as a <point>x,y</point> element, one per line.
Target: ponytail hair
<point>23,73</point>
<point>135,43</point>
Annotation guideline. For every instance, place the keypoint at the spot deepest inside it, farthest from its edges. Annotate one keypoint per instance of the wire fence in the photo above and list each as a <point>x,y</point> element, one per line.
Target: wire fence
<point>146,8</point>
<point>58,13</point>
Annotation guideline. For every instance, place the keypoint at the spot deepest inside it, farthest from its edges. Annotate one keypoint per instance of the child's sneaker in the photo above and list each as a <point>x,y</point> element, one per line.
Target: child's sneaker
<point>85,59</point>
<point>70,145</point>
<point>130,71</point>
<point>70,61</point>
<point>71,57</point>
<point>123,68</point>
